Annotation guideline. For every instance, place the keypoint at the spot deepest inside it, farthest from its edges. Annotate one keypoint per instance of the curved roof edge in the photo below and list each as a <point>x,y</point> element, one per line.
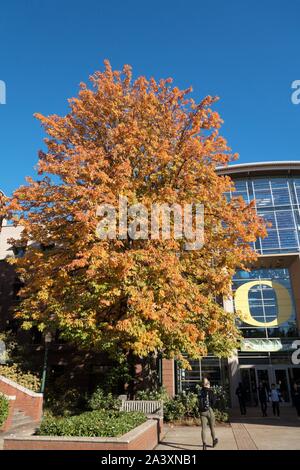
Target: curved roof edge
<point>260,168</point>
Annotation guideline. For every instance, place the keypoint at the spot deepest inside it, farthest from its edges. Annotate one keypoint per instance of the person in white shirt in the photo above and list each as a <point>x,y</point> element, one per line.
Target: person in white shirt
<point>275,399</point>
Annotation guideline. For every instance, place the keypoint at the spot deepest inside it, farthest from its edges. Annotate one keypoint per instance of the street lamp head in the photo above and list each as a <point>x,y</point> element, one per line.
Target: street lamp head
<point>48,337</point>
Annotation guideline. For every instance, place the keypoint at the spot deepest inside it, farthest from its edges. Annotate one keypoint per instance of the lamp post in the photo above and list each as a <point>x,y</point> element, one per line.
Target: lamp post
<point>48,338</point>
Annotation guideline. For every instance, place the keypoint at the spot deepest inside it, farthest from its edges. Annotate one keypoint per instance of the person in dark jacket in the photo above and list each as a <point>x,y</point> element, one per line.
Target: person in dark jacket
<point>241,394</point>
<point>254,391</point>
<point>297,398</point>
<point>206,403</point>
<point>263,398</point>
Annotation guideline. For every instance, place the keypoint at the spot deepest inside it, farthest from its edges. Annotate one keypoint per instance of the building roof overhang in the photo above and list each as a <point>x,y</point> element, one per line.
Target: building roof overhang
<point>275,261</point>
<point>280,168</point>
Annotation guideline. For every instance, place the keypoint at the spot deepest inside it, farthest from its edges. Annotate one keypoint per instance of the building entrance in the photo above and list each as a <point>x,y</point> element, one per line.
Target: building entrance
<point>281,376</point>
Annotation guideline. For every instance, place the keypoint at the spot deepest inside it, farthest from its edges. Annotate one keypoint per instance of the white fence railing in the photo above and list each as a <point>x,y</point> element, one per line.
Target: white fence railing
<point>148,407</point>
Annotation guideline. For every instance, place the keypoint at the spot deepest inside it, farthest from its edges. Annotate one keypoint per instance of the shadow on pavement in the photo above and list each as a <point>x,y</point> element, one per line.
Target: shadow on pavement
<point>183,446</point>
<point>288,417</point>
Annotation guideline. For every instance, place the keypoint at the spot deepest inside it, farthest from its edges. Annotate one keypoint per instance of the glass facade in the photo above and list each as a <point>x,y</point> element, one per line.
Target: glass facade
<point>263,303</point>
<point>277,201</point>
<point>263,296</point>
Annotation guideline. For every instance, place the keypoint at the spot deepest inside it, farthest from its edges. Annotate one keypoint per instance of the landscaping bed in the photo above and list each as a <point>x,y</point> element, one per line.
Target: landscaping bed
<point>143,437</point>
<point>183,408</point>
<point>99,423</point>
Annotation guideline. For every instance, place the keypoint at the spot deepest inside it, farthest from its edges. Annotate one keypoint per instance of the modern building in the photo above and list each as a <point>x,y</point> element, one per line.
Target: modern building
<point>268,295</point>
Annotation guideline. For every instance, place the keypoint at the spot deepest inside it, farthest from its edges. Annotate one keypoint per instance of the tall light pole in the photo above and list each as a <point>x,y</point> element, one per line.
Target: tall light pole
<point>48,339</point>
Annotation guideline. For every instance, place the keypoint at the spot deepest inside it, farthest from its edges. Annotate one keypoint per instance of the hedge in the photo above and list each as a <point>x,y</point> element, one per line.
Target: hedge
<point>4,407</point>
<point>185,405</point>
<point>92,424</point>
<point>26,379</point>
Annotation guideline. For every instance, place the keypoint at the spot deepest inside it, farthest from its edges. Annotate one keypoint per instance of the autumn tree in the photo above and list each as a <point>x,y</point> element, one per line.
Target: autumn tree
<point>152,143</point>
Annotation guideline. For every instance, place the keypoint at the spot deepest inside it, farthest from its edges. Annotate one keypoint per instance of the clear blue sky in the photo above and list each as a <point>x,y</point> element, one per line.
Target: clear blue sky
<point>246,52</point>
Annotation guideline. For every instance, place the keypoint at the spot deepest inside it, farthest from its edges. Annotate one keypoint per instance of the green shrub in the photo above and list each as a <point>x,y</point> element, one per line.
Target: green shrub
<point>185,405</point>
<point>92,424</point>
<point>222,400</point>
<point>221,416</point>
<point>64,402</point>
<point>4,406</point>
<point>174,409</point>
<point>159,394</point>
<point>26,379</point>
<point>191,404</point>
<point>101,400</point>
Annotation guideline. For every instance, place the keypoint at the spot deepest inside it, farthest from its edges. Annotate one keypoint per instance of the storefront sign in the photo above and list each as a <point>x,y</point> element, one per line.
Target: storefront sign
<point>265,345</point>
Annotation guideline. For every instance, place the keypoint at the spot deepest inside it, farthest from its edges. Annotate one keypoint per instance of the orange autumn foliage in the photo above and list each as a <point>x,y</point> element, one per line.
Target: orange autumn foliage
<point>150,142</point>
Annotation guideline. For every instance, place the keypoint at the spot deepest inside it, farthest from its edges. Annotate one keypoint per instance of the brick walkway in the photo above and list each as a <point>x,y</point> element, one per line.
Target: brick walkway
<point>242,437</point>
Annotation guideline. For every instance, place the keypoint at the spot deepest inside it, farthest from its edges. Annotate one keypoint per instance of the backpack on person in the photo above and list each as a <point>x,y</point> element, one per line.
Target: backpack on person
<point>204,400</point>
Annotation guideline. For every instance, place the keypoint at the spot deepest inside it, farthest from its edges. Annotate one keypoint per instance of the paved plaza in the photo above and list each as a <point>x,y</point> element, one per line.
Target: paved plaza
<point>250,433</point>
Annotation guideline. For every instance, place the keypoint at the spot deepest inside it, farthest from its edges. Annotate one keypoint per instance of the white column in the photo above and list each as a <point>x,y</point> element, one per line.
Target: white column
<point>233,361</point>
<point>234,378</point>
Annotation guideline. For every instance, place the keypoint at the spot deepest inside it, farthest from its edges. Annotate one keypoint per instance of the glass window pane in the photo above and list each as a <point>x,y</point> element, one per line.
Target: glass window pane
<point>240,185</point>
<point>242,194</point>
<point>279,182</point>
<point>263,198</point>
<point>288,238</point>
<point>271,241</point>
<point>297,182</point>
<point>281,197</point>
<point>298,194</point>
<point>268,217</point>
<point>285,219</point>
<point>261,183</point>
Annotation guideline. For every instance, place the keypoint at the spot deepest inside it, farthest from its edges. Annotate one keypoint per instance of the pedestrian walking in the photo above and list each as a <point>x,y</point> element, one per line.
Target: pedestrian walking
<point>254,394</point>
<point>206,399</point>
<point>275,399</point>
<point>241,394</point>
<point>263,398</point>
<point>297,398</point>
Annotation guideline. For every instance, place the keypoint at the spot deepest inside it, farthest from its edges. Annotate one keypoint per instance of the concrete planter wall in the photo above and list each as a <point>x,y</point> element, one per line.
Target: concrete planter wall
<point>144,437</point>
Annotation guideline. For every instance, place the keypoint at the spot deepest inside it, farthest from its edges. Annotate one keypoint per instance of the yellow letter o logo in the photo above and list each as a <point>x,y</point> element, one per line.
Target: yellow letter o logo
<point>284,303</point>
